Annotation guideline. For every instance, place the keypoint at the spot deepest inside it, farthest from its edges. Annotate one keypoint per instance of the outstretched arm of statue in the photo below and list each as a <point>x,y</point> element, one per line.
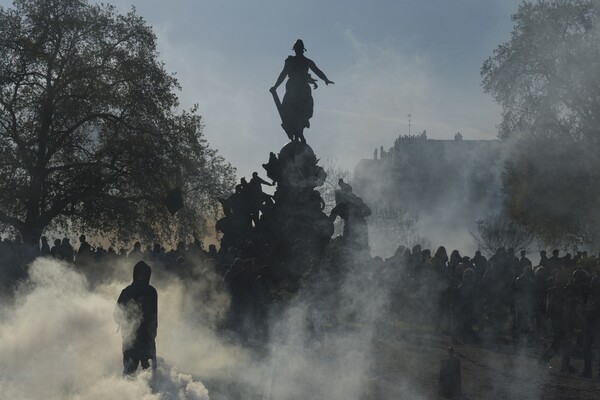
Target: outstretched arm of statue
<point>280,79</point>
<point>319,73</point>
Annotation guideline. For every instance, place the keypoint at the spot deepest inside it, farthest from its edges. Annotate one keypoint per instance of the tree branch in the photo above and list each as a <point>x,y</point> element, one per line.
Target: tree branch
<point>7,219</point>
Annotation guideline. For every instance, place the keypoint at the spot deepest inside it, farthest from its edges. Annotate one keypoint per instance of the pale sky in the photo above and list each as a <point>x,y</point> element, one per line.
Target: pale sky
<point>387,59</point>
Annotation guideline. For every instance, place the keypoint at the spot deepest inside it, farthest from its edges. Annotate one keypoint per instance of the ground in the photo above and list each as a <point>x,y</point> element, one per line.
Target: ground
<point>407,365</point>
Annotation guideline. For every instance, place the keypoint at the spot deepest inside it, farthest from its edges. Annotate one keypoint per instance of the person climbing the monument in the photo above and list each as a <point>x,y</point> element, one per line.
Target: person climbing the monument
<point>353,211</point>
<point>256,183</point>
<point>345,187</point>
<point>137,316</point>
<point>257,197</point>
<point>297,106</point>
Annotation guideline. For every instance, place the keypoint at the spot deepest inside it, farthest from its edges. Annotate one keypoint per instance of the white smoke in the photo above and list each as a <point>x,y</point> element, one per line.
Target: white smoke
<point>59,341</point>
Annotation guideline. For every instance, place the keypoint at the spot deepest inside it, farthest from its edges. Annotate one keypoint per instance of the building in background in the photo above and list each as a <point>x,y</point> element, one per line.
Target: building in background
<point>446,185</point>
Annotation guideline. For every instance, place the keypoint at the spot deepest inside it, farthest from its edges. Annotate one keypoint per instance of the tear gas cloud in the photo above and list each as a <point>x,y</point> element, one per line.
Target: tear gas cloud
<point>432,192</point>
<point>58,339</point>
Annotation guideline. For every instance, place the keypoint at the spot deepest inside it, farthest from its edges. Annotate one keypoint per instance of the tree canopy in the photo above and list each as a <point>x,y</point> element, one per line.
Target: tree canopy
<point>91,136</point>
<point>546,77</point>
<point>546,80</point>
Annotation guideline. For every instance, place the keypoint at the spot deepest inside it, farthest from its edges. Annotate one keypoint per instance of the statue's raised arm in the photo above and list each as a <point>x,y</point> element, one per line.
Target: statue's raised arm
<point>313,67</point>
<point>296,109</point>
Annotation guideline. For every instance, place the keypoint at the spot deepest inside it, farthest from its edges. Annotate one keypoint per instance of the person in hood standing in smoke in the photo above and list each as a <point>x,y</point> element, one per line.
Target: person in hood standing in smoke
<point>560,310</point>
<point>591,326</point>
<point>137,316</point>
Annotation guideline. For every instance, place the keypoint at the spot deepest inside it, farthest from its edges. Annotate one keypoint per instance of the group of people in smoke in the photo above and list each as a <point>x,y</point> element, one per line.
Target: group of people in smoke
<point>86,253</point>
<point>558,298</point>
<point>506,297</point>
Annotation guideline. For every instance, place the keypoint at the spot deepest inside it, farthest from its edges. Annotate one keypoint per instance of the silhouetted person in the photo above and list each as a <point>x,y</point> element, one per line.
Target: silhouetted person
<point>464,308</point>
<point>568,262</point>
<point>212,251</point>
<point>137,316</point>
<point>560,310</point>
<point>481,264</point>
<point>544,260</point>
<point>524,300</point>
<point>136,253</point>
<point>256,183</point>
<point>455,259</point>
<point>85,251</point>
<point>84,246</point>
<point>45,247</point>
<point>66,250</point>
<point>297,104</point>
<point>591,326</point>
<point>554,262</point>
<point>256,195</point>
<point>344,186</point>
<point>147,254</point>
<point>353,211</point>
<point>524,261</point>
<point>244,184</point>
<point>542,283</point>
<point>55,250</point>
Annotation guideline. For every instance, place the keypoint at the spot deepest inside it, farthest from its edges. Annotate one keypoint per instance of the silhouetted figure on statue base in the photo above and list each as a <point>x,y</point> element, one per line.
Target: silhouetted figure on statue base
<point>353,211</point>
<point>257,197</point>
<point>293,216</point>
<point>237,222</point>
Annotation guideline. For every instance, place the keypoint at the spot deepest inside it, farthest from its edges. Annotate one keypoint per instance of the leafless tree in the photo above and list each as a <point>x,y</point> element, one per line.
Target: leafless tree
<point>500,231</point>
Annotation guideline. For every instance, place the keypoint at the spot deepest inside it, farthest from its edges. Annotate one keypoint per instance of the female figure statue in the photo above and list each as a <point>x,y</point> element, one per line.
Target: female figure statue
<point>297,106</point>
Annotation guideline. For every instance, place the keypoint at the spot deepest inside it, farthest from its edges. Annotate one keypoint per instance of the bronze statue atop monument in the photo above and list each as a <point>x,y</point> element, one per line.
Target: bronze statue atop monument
<point>296,109</point>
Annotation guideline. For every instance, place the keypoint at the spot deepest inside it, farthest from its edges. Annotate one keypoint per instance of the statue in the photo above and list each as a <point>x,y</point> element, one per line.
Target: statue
<point>297,106</point>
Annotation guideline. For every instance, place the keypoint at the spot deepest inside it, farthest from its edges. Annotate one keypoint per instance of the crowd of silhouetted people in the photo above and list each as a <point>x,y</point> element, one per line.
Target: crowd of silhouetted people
<point>506,298</point>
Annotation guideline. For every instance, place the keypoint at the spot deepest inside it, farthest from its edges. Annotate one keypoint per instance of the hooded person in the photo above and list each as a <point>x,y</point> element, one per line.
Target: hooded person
<point>137,316</point>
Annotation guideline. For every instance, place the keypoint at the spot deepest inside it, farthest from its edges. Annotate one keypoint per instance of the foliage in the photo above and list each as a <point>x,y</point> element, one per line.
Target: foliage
<point>546,77</point>
<point>546,80</point>
<point>90,135</point>
<point>554,190</point>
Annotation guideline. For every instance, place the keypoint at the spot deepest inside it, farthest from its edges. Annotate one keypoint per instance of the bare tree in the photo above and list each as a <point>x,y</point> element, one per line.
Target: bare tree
<point>391,225</point>
<point>500,231</point>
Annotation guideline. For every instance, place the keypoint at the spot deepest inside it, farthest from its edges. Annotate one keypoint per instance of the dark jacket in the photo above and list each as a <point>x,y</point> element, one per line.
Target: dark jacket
<point>139,301</point>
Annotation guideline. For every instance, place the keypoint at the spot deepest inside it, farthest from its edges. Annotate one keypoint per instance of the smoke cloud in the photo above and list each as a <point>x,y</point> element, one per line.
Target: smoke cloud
<point>59,341</point>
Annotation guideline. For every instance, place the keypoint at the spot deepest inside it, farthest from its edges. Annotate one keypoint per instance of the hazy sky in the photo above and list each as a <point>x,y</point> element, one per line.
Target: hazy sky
<point>387,59</point>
